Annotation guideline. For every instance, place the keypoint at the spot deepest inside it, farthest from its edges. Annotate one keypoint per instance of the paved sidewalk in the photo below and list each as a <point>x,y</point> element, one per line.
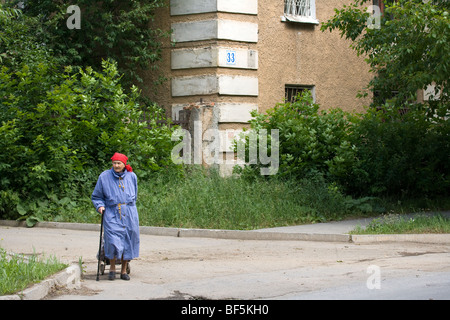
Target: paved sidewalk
<point>339,231</point>
<point>335,231</point>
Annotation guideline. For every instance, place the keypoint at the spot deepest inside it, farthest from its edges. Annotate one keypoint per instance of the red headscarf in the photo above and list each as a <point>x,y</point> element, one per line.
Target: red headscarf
<point>122,158</point>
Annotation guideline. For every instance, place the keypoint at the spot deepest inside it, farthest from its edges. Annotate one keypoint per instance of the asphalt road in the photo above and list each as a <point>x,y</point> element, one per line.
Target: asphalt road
<point>207,268</point>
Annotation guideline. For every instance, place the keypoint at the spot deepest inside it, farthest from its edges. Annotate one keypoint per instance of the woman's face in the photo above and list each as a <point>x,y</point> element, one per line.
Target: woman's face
<point>118,166</point>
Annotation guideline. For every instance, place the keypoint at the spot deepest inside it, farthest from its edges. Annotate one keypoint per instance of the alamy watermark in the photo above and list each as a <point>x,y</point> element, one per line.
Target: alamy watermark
<point>374,20</point>
<point>74,21</point>
<point>208,147</point>
<point>374,280</point>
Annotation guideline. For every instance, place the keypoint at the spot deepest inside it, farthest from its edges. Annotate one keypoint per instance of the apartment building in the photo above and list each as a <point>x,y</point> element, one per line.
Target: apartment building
<point>234,56</point>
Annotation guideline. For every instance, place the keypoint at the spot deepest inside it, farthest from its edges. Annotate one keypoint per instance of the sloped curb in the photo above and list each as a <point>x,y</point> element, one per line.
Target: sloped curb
<point>69,278</point>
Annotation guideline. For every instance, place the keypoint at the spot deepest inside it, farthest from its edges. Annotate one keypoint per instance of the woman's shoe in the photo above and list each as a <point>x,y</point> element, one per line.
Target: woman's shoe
<point>111,275</point>
<point>124,276</point>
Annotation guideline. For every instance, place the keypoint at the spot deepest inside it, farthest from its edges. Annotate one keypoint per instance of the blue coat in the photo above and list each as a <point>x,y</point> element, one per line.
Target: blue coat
<point>118,194</point>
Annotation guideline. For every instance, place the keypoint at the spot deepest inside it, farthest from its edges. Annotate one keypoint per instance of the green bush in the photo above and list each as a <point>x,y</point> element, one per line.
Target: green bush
<point>401,154</point>
<point>121,30</point>
<point>311,140</point>
<point>59,131</point>
<point>382,152</point>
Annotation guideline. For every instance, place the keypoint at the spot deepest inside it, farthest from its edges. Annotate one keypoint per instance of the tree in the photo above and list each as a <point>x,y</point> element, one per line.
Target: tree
<point>59,126</point>
<point>17,41</point>
<point>59,129</point>
<point>410,49</point>
<point>109,29</point>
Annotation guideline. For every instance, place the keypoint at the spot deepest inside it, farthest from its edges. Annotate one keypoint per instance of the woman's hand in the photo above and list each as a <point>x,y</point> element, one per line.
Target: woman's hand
<point>101,210</point>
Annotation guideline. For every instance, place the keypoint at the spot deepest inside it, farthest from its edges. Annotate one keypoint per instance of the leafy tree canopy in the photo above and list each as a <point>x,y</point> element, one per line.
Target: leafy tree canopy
<point>410,49</point>
<point>109,29</point>
<point>60,125</point>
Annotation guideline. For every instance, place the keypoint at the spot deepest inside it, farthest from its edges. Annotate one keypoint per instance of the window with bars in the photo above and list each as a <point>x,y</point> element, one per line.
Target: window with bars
<point>292,91</point>
<point>300,11</point>
<point>298,7</point>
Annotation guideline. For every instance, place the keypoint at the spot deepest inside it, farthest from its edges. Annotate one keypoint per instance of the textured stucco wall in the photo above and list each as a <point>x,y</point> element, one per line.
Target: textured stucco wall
<point>294,53</point>
<point>287,53</point>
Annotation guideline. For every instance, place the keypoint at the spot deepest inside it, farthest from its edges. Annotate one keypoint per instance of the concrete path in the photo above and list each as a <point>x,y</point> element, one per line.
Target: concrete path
<point>218,264</point>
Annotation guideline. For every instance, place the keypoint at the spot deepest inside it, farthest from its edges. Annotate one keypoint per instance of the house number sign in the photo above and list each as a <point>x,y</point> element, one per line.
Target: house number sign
<point>231,57</point>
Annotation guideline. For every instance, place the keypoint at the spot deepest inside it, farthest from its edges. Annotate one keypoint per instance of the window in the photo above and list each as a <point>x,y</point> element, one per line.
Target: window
<point>303,11</point>
<point>292,91</point>
<point>380,98</point>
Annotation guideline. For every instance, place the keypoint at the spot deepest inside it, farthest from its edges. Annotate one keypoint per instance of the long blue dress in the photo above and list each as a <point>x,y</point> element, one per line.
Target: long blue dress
<point>118,194</point>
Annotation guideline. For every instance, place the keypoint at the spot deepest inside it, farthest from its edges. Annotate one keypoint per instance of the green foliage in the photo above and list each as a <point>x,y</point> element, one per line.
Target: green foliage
<point>379,153</point>
<point>61,129</point>
<point>409,51</point>
<point>18,40</point>
<point>115,29</point>
<point>397,224</point>
<point>405,155</point>
<point>59,126</point>
<point>401,154</point>
<point>6,16</point>
<point>18,272</point>
<point>203,199</point>
<point>311,140</point>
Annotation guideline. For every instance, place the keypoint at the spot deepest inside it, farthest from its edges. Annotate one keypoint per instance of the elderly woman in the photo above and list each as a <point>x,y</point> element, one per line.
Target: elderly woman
<point>115,197</point>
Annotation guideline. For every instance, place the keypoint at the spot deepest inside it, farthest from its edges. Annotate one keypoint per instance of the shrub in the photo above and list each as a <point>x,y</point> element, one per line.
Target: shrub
<point>382,152</point>
<point>401,154</point>
<point>60,130</point>
<point>311,140</point>
<point>122,30</point>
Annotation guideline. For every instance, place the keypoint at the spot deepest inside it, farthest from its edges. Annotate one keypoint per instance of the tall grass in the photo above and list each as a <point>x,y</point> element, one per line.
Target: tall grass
<point>394,224</point>
<point>206,200</point>
<point>18,272</point>
<point>202,199</point>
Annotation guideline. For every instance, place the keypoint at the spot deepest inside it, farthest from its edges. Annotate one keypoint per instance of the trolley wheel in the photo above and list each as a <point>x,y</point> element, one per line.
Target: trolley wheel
<point>128,268</point>
<point>102,268</point>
